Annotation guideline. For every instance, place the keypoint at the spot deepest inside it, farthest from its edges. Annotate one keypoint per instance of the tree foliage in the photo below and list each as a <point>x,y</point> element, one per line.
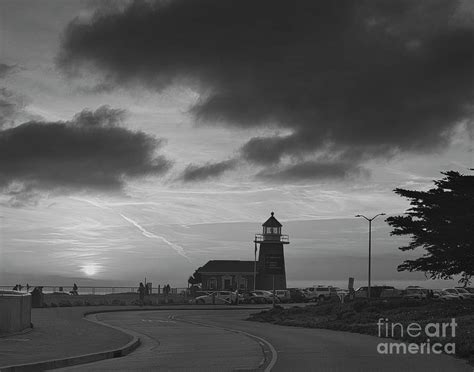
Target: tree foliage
<point>441,221</point>
<point>195,278</point>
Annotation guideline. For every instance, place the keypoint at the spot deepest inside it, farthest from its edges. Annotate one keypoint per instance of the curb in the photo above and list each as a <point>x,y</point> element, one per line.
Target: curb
<point>92,312</point>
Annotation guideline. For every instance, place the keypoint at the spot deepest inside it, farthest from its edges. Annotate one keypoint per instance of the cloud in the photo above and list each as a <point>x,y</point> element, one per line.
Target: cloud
<point>313,170</point>
<point>194,173</point>
<point>348,80</point>
<point>12,104</point>
<point>92,151</point>
<point>7,69</point>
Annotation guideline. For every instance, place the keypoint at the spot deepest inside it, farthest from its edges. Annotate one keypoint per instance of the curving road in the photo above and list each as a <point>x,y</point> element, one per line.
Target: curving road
<point>221,340</point>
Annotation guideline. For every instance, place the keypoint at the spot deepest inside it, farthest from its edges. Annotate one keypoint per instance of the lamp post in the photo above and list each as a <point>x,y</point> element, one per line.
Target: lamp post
<point>370,245</point>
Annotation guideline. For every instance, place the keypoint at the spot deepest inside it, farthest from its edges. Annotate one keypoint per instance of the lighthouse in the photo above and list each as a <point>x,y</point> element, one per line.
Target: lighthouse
<point>270,267</point>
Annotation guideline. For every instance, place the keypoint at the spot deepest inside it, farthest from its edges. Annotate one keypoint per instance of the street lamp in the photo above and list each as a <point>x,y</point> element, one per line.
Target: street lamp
<point>370,243</point>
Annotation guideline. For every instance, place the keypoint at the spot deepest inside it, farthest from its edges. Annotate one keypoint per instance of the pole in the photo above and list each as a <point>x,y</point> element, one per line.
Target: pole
<point>255,267</point>
<point>273,290</point>
<point>370,247</point>
<point>370,254</point>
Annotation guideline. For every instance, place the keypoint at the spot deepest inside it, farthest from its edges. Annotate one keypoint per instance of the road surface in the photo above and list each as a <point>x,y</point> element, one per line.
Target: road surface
<point>222,340</point>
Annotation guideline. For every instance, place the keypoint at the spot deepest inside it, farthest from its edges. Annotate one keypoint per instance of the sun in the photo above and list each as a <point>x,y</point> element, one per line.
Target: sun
<point>90,269</point>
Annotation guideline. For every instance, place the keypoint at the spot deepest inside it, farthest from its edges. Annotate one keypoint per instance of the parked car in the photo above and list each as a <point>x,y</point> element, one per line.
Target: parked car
<point>320,293</point>
<point>219,297</point>
<point>461,292</point>
<point>283,295</point>
<point>377,291</point>
<point>261,297</point>
<point>465,291</point>
<point>415,293</point>
<point>444,296</point>
<point>297,295</point>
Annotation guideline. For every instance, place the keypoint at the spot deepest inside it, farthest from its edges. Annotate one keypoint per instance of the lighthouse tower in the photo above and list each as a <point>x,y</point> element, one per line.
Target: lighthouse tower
<point>271,259</point>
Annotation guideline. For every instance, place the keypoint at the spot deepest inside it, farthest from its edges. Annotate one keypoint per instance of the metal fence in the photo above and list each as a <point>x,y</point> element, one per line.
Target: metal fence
<point>96,290</point>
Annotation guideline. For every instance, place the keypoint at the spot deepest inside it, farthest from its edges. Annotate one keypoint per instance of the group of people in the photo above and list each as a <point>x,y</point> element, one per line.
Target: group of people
<point>19,287</point>
<point>145,291</point>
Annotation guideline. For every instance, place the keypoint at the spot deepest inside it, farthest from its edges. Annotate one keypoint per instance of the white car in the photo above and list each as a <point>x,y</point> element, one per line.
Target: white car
<point>219,297</point>
<point>320,293</point>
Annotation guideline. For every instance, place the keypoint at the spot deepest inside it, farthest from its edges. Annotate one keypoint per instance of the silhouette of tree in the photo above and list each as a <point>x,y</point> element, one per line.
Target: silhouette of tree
<point>195,278</point>
<point>441,221</point>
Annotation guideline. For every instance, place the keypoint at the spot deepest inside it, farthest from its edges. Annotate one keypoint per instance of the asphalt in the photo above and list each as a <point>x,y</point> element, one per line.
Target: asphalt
<point>62,337</point>
<point>224,341</point>
<point>189,339</point>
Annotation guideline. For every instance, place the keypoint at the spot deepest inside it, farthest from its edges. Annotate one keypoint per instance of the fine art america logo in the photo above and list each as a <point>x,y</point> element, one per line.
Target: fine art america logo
<point>439,331</point>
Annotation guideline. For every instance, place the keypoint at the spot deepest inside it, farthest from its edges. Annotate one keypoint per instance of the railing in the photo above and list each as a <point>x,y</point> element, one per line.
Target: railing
<point>259,238</point>
<point>47,289</point>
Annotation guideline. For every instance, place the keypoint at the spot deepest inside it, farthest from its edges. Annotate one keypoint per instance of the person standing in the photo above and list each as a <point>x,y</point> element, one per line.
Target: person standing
<point>141,293</point>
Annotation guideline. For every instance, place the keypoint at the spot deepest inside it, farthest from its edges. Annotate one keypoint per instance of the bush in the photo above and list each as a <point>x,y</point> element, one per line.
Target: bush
<point>53,304</point>
<point>65,304</point>
<point>360,305</point>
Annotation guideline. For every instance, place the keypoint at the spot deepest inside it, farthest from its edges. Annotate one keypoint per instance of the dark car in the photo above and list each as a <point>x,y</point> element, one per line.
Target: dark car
<point>297,295</point>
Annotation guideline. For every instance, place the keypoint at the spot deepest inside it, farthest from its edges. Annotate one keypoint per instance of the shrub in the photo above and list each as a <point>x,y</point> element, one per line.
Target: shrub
<point>360,305</point>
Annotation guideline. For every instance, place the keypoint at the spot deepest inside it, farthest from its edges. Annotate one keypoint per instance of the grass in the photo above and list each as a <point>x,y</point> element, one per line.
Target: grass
<point>362,317</point>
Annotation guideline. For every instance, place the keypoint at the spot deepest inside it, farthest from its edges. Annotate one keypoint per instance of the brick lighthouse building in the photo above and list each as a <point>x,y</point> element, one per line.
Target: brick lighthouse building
<point>270,266</point>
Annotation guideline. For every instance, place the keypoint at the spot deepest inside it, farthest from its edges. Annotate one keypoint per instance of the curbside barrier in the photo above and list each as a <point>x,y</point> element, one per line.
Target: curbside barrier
<point>15,313</point>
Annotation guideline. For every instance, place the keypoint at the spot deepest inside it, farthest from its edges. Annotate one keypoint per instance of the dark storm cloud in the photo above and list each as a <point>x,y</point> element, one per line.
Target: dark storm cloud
<point>350,80</point>
<point>194,172</point>
<point>314,170</point>
<point>91,151</point>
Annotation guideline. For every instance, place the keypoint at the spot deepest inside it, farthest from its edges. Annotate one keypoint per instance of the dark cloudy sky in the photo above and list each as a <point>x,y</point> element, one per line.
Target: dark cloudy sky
<point>122,119</point>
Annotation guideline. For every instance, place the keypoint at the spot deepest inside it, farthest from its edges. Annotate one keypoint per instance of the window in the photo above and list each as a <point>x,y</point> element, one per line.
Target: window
<point>212,283</point>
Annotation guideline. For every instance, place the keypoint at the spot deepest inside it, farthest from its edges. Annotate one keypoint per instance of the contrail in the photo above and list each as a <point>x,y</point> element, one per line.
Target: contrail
<point>148,234</point>
<point>180,250</point>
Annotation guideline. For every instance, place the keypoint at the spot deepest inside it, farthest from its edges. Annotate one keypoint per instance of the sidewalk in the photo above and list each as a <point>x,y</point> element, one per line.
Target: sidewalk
<point>59,333</point>
<point>62,332</point>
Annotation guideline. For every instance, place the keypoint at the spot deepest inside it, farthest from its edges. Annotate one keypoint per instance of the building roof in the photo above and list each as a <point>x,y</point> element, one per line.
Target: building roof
<point>272,222</point>
<point>227,266</point>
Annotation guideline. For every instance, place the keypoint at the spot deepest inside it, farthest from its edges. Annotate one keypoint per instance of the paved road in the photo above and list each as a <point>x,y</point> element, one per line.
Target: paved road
<point>207,341</point>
